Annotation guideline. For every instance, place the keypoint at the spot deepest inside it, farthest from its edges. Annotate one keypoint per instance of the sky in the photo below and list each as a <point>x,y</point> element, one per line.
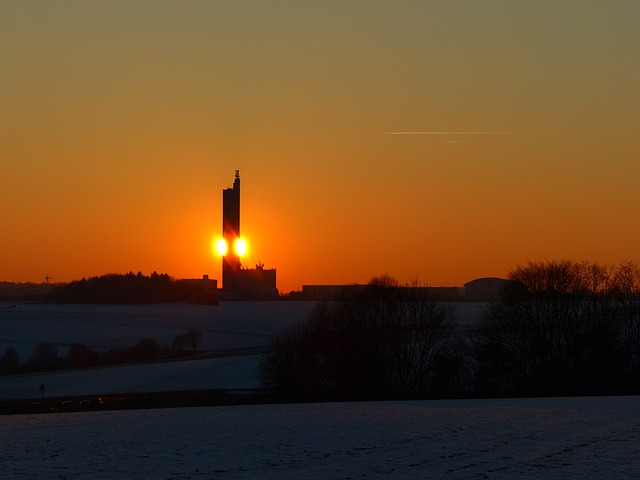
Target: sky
<point>438,141</point>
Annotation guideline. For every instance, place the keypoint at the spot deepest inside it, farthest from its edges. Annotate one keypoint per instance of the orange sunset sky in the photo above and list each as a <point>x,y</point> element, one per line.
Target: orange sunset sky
<point>438,140</point>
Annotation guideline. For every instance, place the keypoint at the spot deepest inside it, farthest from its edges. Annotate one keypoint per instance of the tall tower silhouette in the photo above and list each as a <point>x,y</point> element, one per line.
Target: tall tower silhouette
<point>231,233</point>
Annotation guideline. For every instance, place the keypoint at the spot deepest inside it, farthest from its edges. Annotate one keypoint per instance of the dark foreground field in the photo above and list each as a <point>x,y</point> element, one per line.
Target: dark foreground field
<point>533,438</point>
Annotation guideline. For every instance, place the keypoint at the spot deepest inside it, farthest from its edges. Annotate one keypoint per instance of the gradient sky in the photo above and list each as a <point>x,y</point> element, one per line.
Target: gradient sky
<point>438,140</point>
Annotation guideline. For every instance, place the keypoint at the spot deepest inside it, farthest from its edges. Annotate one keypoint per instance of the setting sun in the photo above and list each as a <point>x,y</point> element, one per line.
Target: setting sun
<point>221,246</point>
<point>240,247</point>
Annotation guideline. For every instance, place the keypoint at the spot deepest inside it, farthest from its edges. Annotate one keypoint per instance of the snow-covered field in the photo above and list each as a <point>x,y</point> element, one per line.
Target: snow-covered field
<point>229,373</point>
<point>229,325</point>
<point>500,439</point>
<point>471,439</point>
<point>227,329</point>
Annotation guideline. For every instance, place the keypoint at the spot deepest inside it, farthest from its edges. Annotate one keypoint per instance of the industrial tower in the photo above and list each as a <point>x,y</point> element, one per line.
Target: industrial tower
<point>231,233</point>
<point>239,282</point>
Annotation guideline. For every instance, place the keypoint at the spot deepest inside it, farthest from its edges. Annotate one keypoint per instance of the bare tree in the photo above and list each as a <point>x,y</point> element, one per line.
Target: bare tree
<point>557,327</point>
<point>192,339</point>
<point>627,294</point>
<point>194,336</point>
<point>380,340</point>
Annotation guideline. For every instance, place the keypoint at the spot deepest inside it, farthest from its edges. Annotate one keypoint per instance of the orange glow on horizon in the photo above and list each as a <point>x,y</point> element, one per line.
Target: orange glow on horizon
<point>117,146</point>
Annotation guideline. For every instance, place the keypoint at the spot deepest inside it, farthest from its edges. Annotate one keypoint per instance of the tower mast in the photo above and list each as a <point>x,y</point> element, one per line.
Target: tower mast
<point>231,233</point>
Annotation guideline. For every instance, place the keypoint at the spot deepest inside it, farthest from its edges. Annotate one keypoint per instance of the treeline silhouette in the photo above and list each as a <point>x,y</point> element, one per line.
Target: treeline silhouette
<point>45,356</point>
<point>559,328</point>
<point>562,328</point>
<point>135,289</point>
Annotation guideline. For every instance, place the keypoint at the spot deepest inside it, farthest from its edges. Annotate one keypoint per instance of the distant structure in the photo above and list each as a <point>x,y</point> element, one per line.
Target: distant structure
<point>333,292</point>
<point>204,290</point>
<point>484,289</point>
<point>479,290</point>
<point>231,234</point>
<point>238,282</point>
<point>257,283</point>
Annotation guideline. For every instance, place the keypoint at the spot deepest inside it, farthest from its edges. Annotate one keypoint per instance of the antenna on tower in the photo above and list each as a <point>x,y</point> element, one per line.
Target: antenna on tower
<point>237,173</point>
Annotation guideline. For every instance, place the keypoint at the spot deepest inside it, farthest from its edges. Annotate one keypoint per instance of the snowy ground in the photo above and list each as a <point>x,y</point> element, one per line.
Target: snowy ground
<point>225,326</point>
<point>470,439</point>
<point>229,329</point>
<point>230,373</point>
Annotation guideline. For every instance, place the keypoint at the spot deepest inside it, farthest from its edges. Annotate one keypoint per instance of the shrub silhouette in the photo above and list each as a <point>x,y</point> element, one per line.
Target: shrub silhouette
<point>45,357</point>
<point>189,339</point>
<point>10,361</point>
<point>81,356</point>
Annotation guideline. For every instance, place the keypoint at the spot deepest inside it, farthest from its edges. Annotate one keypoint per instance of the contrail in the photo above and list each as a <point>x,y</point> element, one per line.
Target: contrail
<point>474,133</point>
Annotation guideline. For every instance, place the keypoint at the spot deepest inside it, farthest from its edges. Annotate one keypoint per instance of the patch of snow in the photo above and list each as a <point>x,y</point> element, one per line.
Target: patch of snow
<point>228,373</point>
<point>226,326</point>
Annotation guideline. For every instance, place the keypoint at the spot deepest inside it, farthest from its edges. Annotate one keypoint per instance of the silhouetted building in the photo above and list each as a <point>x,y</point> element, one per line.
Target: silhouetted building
<point>257,283</point>
<point>484,289</point>
<point>479,290</point>
<point>329,292</point>
<point>334,292</point>
<point>231,233</point>
<point>238,282</point>
<point>203,290</point>
<point>447,294</point>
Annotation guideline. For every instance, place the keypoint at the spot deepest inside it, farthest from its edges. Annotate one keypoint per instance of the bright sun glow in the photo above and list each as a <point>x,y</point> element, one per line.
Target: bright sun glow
<point>221,246</point>
<point>240,247</point>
